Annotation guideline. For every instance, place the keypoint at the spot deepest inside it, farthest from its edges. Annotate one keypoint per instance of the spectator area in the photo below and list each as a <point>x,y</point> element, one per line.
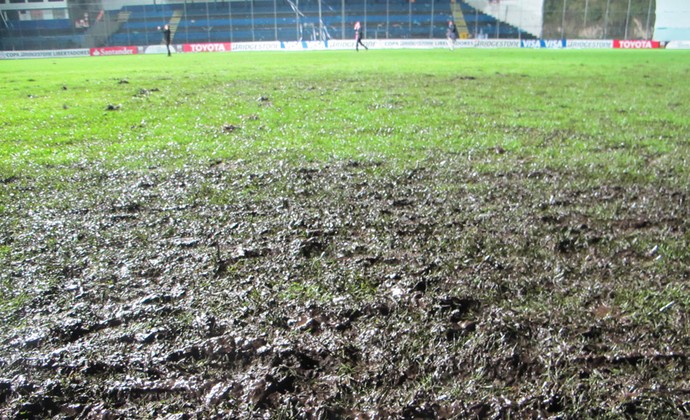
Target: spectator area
<point>260,20</point>
<point>264,20</point>
<point>40,34</point>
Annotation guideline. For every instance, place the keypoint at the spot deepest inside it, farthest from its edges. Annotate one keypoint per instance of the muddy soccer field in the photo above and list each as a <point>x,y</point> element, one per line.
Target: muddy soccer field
<point>402,234</point>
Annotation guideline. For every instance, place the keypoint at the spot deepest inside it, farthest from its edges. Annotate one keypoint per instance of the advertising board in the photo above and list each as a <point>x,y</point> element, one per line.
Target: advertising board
<point>107,51</point>
<point>543,43</point>
<point>590,43</point>
<point>10,55</point>
<point>635,44</point>
<point>207,47</point>
<point>256,46</point>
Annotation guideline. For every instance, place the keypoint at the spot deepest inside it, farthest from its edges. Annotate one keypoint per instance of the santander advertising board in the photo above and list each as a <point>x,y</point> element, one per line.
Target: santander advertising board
<point>635,44</point>
<point>113,51</point>
<point>210,47</point>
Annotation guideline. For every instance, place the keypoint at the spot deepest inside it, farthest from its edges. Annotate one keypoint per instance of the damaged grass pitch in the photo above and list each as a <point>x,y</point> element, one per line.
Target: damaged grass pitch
<point>402,234</point>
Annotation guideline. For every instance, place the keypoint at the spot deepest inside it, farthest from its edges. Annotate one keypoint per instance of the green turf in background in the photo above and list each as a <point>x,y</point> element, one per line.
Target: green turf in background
<point>560,106</point>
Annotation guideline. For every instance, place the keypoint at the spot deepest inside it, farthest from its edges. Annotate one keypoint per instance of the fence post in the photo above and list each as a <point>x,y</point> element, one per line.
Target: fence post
<point>365,18</point>
<point>431,24</point>
<point>409,21</point>
<point>388,16</point>
<point>606,18</point>
<point>565,4</point>
<point>208,25</point>
<point>230,21</point>
<point>251,8</point>
<point>186,22</point>
<point>275,18</point>
<point>476,24</point>
<point>342,18</point>
<point>320,23</point>
<point>146,31</point>
<point>520,27</point>
<point>649,14</point>
<point>627,20</point>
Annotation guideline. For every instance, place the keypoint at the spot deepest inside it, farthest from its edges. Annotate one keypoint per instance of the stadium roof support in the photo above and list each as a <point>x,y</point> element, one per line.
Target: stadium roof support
<point>672,20</point>
<point>527,15</point>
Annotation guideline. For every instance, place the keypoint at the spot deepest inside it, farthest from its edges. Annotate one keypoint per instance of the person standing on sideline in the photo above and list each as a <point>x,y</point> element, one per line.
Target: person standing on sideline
<point>451,34</point>
<point>166,37</point>
<point>358,36</point>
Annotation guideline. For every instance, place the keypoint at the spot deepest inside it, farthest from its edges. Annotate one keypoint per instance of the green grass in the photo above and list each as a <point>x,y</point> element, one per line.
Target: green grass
<point>606,109</point>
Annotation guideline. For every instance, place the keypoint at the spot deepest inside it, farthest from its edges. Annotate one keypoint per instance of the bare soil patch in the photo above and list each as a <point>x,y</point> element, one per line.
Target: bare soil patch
<point>347,289</point>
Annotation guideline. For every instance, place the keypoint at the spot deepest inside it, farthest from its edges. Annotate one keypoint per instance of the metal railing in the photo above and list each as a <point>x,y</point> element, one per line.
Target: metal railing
<point>599,19</point>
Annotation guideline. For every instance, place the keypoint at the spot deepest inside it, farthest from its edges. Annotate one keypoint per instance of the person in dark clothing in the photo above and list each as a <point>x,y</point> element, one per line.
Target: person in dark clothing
<point>166,36</point>
<point>359,36</point>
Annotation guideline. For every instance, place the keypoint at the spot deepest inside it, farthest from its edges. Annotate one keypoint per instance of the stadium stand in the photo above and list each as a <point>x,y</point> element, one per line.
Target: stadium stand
<point>40,34</point>
<point>264,20</point>
<point>140,27</point>
<point>258,20</point>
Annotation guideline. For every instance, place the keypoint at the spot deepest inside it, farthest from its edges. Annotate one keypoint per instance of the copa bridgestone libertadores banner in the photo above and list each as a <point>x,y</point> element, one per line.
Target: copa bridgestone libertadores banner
<point>9,55</point>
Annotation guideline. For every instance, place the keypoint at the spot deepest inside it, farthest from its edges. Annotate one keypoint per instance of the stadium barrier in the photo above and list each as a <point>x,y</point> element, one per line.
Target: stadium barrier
<point>678,45</point>
<point>346,45</point>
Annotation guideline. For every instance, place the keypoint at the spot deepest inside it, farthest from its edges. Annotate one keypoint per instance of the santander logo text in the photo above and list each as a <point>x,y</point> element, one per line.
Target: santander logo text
<point>211,47</point>
<point>635,44</point>
<point>113,51</point>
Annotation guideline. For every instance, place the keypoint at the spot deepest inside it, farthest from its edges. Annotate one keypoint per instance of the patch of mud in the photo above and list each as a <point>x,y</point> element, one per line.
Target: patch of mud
<point>343,290</point>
